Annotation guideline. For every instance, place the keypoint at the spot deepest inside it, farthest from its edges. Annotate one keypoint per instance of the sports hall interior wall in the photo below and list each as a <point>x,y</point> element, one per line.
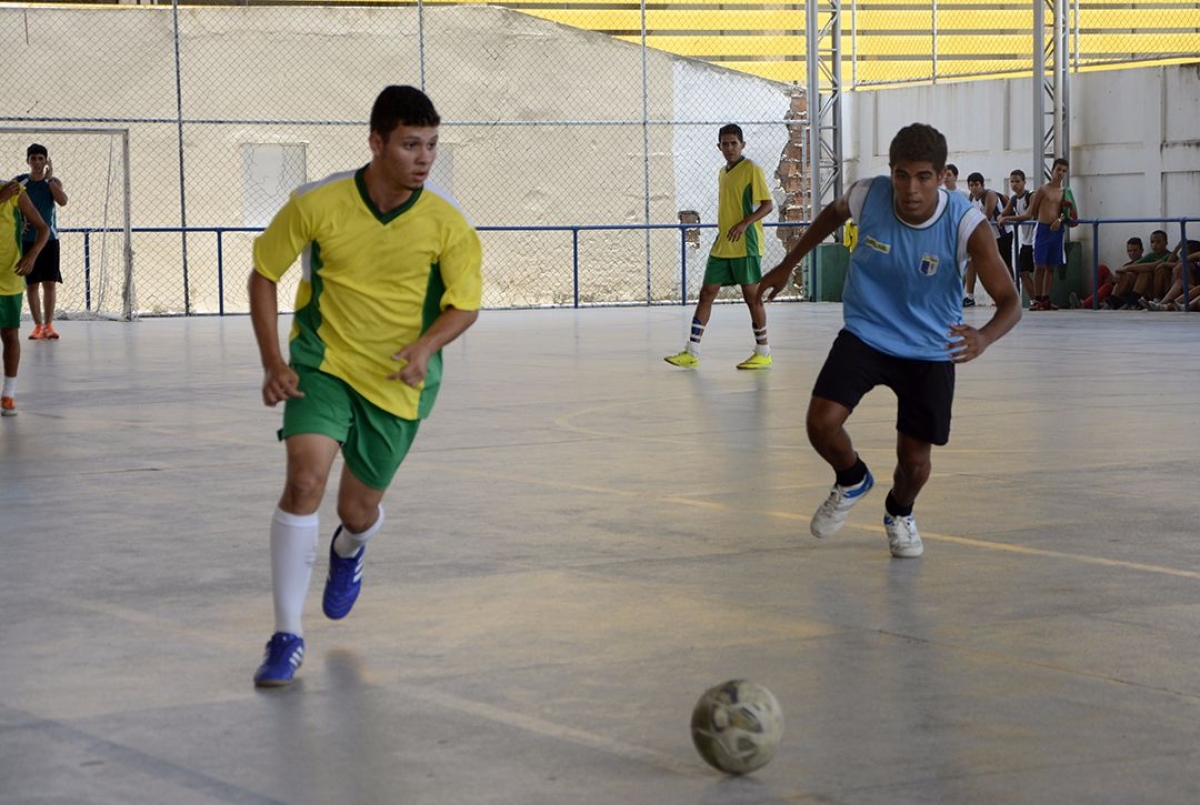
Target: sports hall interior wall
<point>545,125</point>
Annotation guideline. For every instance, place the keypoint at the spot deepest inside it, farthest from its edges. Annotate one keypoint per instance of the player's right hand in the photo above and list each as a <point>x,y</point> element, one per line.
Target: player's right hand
<point>773,282</point>
<point>24,267</point>
<point>280,384</point>
<point>10,189</point>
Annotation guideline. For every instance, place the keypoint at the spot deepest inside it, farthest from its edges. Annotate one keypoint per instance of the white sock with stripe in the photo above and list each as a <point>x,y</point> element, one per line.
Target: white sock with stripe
<point>293,551</point>
<point>760,340</point>
<point>347,544</point>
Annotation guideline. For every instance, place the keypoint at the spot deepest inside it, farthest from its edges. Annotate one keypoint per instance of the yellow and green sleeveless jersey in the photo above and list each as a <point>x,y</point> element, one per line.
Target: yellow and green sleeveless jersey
<point>11,283</point>
<point>740,190</point>
<point>372,283</point>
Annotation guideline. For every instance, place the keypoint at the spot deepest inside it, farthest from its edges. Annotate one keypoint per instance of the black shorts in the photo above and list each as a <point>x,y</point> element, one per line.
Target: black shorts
<point>1004,244</point>
<point>1025,259</point>
<point>924,389</point>
<point>45,268</point>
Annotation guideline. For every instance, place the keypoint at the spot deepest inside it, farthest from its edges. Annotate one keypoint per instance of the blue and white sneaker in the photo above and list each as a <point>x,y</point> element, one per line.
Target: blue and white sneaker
<point>285,652</point>
<point>831,514</point>
<point>904,540</point>
<point>344,582</point>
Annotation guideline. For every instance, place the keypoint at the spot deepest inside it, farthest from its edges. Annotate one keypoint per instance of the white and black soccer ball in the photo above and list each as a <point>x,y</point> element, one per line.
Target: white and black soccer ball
<point>737,726</point>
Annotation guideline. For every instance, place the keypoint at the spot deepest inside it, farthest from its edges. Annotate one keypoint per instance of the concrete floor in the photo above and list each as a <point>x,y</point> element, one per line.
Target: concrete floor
<point>581,542</point>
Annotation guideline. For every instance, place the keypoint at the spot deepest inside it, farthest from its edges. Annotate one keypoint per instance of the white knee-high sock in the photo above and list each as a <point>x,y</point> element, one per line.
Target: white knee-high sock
<point>347,543</point>
<point>293,551</point>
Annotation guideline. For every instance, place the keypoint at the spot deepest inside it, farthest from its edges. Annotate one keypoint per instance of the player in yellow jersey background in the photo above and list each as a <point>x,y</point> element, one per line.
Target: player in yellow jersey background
<point>744,199</point>
<point>15,206</point>
<point>392,272</point>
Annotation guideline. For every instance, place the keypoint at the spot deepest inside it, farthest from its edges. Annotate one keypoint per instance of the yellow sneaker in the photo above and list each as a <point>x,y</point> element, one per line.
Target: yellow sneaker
<point>756,361</point>
<point>684,359</point>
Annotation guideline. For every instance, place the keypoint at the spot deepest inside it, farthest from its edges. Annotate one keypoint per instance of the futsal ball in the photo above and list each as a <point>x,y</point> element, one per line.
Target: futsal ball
<point>737,726</point>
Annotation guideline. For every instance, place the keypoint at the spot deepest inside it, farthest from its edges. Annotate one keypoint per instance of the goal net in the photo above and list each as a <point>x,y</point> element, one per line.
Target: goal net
<point>93,228</point>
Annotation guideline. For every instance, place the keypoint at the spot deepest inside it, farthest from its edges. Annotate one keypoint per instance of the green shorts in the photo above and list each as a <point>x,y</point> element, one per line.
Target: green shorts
<point>11,306</point>
<point>374,442</point>
<point>733,271</point>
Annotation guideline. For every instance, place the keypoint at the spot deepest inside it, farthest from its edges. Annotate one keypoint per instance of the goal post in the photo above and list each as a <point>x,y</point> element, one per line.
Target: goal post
<point>95,229</point>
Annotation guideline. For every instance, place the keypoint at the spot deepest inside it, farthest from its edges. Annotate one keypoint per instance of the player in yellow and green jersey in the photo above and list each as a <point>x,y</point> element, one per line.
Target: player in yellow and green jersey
<point>392,272</point>
<point>16,210</point>
<point>736,256</point>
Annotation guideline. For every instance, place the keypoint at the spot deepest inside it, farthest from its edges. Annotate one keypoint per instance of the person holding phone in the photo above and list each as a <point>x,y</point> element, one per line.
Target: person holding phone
<point>46,192</point>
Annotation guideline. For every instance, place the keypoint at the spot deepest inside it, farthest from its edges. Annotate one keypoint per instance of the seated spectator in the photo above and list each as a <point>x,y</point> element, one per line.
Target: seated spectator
<point>1174,299</point>
<point>1139,279</point>
<point>1102,293</point>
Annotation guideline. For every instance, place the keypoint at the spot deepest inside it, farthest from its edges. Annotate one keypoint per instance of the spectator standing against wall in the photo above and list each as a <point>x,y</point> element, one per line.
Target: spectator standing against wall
<point>1014,211</point>
<point>41,285</point>
<point>990,203</point>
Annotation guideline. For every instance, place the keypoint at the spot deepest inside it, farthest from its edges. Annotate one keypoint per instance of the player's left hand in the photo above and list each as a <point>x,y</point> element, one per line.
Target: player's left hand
<point>24,267</point>
<point>970,344</point>
<point>415,361</point>
<point>736,231</point>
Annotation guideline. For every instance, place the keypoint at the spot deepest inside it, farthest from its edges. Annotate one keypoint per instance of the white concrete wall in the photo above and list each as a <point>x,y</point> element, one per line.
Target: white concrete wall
<point>1135,142</point>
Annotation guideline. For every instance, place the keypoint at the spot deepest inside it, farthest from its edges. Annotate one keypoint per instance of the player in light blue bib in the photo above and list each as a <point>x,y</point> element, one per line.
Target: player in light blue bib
<point>902,307</point>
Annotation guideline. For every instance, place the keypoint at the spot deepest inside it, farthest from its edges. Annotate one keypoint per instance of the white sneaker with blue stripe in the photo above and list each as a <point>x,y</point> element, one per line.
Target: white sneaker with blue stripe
<point>831,514</point>
<point>904,540</point>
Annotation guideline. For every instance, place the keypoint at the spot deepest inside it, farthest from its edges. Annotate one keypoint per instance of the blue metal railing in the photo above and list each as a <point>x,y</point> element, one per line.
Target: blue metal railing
<point>575,229</point>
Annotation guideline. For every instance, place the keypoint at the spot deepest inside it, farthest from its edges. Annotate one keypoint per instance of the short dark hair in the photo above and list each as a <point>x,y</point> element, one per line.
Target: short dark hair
<point>1135,241</point>
<point>1159,232</point>
<point>920,142</point>
<point>975,177</point>
<point>36,148</point>
<point>402,105</point>
<point>1060,161</point>
<point>731,128</point>
<point>1017,172</point>
<point>950,166</point>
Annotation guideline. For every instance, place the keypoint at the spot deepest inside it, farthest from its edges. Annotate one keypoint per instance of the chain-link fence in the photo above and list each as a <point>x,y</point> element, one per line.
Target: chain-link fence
<point>556,118</point>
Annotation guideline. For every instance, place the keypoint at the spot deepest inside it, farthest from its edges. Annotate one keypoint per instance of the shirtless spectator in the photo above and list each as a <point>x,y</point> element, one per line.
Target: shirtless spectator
<point>1053,207</point>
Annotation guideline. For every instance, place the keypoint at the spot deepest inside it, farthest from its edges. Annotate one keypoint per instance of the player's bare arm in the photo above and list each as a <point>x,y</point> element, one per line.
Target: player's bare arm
<point>415,357</point>
<point>825,225</point>
<point>32,218</point>
<point>280,382</point>
<point>737,230</point>
<point>970,342</point>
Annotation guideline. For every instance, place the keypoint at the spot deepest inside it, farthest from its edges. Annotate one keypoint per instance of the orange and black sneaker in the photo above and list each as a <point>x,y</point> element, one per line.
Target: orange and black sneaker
<point>8,406</point>
<point>49,332</point>
<point>38,334</point>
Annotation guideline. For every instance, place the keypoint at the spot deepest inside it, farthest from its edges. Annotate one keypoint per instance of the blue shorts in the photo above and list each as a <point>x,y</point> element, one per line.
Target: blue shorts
<point>1048,246</point>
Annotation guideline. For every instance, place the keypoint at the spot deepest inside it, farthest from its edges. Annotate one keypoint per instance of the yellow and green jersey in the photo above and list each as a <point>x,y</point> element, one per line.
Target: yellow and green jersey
<point>372,283</point>
<point>740,191</point>
<point>11,283</point>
